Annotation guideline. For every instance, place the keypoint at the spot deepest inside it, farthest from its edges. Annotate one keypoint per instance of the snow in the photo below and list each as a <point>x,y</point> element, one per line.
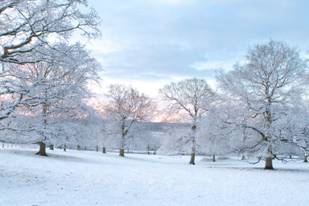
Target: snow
<point>92,178</point>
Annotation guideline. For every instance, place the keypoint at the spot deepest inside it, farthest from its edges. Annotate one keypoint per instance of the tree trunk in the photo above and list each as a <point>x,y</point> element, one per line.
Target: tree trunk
<point>121,152</point>
<point>42,151</point>
<point>214,158</point>
<point>192,160</point>
<point>306,158</point>
<point>122,143</point>
<point>269,163</point>
<point>65,147</point>
<point>269,159</point>
<point>103,150</point>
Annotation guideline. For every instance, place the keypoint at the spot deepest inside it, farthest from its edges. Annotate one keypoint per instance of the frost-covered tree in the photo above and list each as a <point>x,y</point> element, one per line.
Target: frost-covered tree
<point>266,83</point>
<point>55,87</point>
<point>192,97</point>
<point>28,25</point>
<point>31,30</point>
<point>126,107</point>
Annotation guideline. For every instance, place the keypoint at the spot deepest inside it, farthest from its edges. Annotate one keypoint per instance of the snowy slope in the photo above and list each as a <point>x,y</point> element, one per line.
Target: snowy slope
<point>89,178</point>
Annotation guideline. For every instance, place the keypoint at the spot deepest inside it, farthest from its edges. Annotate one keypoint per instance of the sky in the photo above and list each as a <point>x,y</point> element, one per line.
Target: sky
<point>149,43</point>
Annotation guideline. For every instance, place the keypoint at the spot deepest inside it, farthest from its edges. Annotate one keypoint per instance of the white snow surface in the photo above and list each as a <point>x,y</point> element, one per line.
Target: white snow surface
<point>83,178</point>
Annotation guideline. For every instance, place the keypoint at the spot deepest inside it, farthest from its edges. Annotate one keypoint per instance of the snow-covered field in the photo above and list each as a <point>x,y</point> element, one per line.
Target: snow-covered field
<point>91,178</point>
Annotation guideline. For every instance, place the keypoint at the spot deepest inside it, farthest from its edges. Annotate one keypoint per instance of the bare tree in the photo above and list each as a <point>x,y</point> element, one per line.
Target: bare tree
<point>193,97</point>
<point>126,107</point>
<point>269,80</point>
<point>53,87</point>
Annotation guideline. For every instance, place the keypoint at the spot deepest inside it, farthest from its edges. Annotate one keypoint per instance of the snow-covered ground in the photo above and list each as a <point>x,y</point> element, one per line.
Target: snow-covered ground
<point>91,178</point>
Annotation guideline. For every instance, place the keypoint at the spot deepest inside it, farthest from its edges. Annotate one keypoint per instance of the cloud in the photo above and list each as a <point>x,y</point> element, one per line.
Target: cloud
<point>149,40</point>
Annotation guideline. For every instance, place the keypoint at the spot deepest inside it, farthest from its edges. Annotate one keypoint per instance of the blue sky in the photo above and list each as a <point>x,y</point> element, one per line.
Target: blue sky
<point>148,43</point>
